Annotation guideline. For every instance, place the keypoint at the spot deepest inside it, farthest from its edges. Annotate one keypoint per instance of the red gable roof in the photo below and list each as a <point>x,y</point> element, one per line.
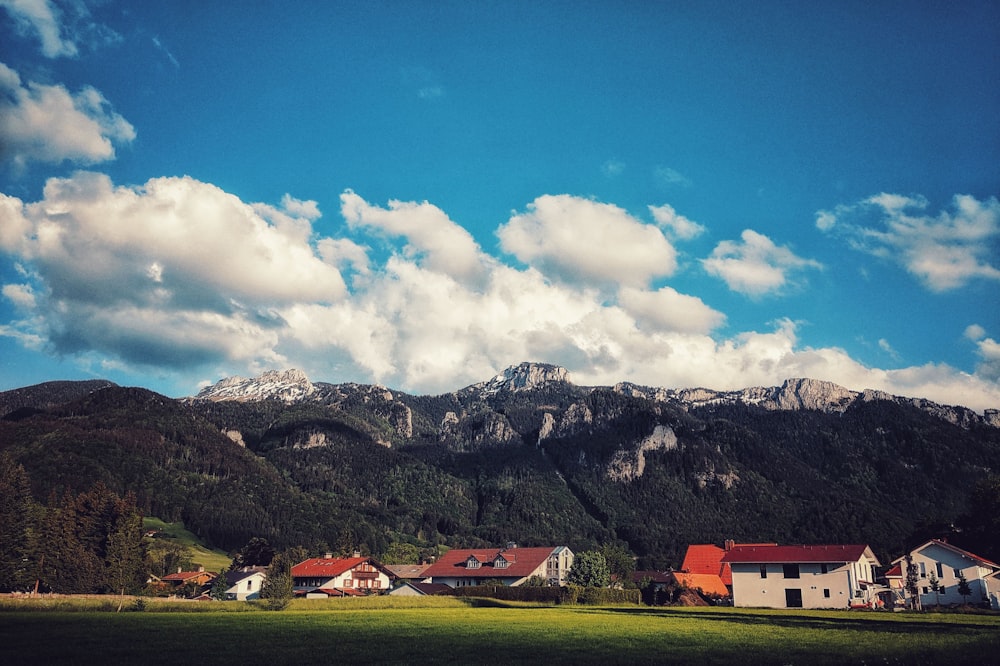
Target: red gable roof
<point>323,567</point>
<point>794,554</point>
<point>521,562</point>
<point>707,559</point>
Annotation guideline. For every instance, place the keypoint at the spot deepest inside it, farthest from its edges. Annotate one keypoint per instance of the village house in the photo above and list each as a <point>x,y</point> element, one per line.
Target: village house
<point>245,584</point>
<point>199,578</point>
<point>946,563</point>
<point>327,576</point>
<point>413,589</point>
<point>820,576</point>
<point>506,566</point>
<point>408,572</point>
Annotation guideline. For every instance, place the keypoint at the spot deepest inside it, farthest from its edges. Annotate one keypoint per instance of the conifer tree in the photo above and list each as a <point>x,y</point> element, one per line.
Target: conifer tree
<point>963,587</point>
<point>16,508</point>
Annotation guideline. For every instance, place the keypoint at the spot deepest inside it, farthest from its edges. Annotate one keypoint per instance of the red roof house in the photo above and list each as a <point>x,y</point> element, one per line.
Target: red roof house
<point>345,576</point>
<point>802,576</point>
<point>510,566</point>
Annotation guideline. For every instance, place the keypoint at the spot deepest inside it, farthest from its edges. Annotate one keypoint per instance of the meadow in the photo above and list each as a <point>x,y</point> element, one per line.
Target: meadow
<point>476,631</point>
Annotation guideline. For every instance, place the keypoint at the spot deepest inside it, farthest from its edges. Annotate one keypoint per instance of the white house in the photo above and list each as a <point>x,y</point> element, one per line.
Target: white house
<point>328,576</point>
<point>820,576</point>
<point>508,566</point>
<point>245,584</point>
<point>945,562</point>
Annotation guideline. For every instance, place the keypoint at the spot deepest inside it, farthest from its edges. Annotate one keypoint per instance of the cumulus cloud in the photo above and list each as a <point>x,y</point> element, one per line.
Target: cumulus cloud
<point>679,226</point>
<point>164,274</point>
<point>755,266</point>
<point>943,251</point>
<point>184,277</point>
<point>579,239</point>
<point>47,123</point>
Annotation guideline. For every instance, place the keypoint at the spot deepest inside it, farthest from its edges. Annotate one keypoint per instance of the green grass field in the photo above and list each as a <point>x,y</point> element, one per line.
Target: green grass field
<point>453,631</point>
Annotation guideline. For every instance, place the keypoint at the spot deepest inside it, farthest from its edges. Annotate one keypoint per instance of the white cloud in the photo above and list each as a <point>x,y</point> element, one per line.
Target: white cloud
<point>613,168</point>
<point>680,227</point>
<point>671,177</point>
<point>164,274</point>
<point>47,123</point>
<point>41,18</point>
<point>756,266</point>
<point>183,277</point>
<point>943,251</point>
<point>666,309</point>
<point>442,245</point>
<point>60,27</point>
<point>579,239</point>
<point>974,332</point>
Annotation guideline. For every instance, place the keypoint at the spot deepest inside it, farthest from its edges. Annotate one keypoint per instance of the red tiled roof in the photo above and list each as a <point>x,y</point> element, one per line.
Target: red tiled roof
<point>895,572</point>
<point>322,567</point>
<point>793,554</point>
<point>707,559</point>
<point>521,562</point>
<point>706,583</point>
<point>703,559</point>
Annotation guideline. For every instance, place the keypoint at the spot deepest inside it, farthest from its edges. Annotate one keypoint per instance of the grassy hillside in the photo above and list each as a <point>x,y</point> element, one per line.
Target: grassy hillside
<point>212,559</point>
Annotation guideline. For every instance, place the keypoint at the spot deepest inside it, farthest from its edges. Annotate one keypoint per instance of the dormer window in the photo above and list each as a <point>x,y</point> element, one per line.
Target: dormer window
<point>472,563</point>
<point>500,563</point>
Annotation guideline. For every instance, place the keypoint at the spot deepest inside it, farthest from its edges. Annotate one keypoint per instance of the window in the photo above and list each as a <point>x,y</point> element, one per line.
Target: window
<point>826,593</point>
<point>958,572</point>
<point>926,590</point>
<point>923,570</point>
<point>940,570</point>
<point>824,569</point>
<point>500,563</point>
<point>472,563</point>
<point>763,571</point>
<point>793,598</point>
<point>249,584</point>
<point>941,589</point>
<point>790,570</point>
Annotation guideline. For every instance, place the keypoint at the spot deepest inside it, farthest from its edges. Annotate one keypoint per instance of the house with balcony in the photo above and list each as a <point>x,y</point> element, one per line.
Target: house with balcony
<point>328,576</point>
<point>512,565</point>
<point>816,576</point>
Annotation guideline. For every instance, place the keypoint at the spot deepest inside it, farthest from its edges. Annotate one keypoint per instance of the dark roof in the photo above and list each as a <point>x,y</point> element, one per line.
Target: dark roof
<point>655,576</point>
<point>429,588</point>
<point>795,554</point>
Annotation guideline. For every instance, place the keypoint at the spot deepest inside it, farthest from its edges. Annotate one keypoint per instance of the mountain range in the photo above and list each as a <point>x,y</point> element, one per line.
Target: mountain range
<point>526,456</point>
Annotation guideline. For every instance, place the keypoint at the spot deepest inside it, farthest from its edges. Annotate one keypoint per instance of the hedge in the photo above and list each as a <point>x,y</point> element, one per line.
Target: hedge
<point>596,596</point>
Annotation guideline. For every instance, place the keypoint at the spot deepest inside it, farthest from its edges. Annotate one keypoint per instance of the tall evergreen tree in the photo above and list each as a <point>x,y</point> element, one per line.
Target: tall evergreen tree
<point>911,583</point>
<point>278,586</point>
<point>16,508</point>
<point>124,557</point>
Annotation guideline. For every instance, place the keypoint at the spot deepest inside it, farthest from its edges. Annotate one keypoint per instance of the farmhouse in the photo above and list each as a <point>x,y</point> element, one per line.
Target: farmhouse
<point>336,577</point>
<point>507,566</point>
<point>706,560</point>
<point>181,578</point>
<point>946,564</point>
<point>821,576</point>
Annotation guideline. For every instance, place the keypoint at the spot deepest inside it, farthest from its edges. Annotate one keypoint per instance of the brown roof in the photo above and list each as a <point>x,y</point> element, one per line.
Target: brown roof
<point>521,562</point>
<point>182,576</point>
<point>408,570</point>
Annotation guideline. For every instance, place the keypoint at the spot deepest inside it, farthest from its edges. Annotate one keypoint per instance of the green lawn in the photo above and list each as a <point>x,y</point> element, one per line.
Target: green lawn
<point>452,631</point>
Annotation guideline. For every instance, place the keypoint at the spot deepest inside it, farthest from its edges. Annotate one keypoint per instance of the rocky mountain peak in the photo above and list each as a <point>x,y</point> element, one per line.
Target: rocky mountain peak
<point>285,385</point>
<point>524,377</point>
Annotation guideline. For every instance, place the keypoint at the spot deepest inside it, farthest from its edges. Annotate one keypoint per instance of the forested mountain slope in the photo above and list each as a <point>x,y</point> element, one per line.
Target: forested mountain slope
<point>527,456</point>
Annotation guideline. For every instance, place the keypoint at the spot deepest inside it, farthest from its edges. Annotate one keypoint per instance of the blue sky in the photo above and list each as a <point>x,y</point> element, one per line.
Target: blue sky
<point>420,194</point>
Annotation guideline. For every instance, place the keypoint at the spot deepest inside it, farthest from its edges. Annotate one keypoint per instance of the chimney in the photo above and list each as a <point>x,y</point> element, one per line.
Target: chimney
<point>179,569</point>
<point>357,553</point>
<point>730,544</point>
<point>201,569</point>
<point>327,555</point>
